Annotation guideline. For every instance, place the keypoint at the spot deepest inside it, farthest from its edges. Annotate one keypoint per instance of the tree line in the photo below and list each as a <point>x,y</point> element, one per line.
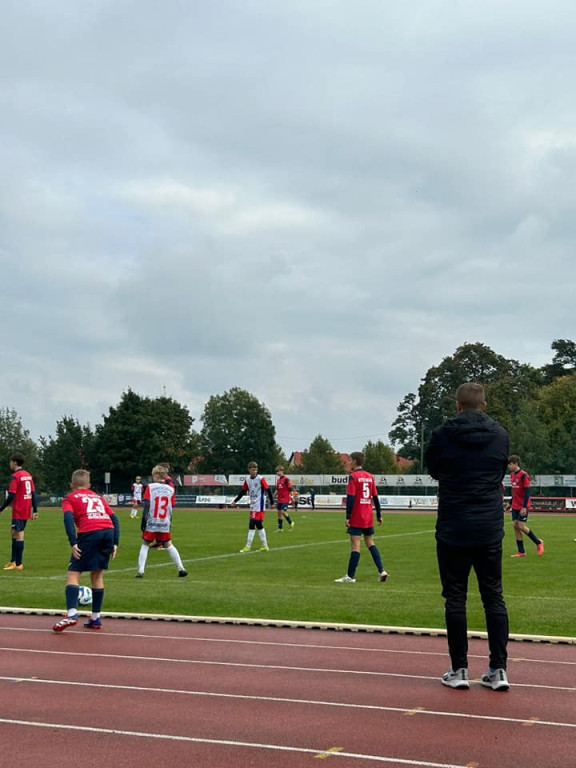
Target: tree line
<point>139,432</point>
<point>536,405</point>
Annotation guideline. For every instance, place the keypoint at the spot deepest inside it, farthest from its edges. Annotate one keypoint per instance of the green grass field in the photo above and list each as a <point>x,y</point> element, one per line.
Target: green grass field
<point>295,580</point>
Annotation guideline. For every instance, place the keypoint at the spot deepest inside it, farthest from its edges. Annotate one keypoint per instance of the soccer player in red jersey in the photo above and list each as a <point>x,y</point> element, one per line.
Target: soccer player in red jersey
<point>360,495</point>
<point>283,488</point>
<point>519,506</point>
<point>257,488</point>
<point>22,496</point>
<point>157,520</point>
<point>93,531</point>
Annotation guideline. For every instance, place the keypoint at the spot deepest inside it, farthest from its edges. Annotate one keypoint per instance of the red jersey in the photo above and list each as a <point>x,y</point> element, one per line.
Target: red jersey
<point>91,512</point>
<point>520,482</point>
<point>283,487</point>
<point>22,486</point>
<point>362,486</point>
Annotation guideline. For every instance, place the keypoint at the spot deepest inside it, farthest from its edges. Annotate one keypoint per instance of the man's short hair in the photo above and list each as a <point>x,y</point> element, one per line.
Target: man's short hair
<point>471,396</point>
<point>279,469</point>
<point>358,457</point>
<point>80,478</point>
<point>514,459</point>
<point>159,471</point>
<point>252,464</point>
<point>17,458</point>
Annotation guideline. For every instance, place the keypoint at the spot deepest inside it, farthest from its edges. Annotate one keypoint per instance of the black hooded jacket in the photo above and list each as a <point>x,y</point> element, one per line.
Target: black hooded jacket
<point>468,455</point>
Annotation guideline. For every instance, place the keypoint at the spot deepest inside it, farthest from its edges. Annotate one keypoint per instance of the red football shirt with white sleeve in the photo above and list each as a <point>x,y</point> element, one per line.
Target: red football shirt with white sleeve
<point>91,512</point>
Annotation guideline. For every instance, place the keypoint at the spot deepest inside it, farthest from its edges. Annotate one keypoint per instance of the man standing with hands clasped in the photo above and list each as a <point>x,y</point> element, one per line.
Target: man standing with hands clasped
<point>468,455</point>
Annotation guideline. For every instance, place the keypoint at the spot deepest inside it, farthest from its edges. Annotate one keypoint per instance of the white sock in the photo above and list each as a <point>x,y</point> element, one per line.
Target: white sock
<point>262,534</point>
<point>175,555</point>
<point>250,538</point>
<point>142,557</point>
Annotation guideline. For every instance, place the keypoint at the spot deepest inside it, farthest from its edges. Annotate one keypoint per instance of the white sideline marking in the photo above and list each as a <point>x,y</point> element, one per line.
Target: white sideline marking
<point>280,667</point>
<point>279,699</point>
<point>230,743</point>
<point>225,555</point>
<point>314,646</point>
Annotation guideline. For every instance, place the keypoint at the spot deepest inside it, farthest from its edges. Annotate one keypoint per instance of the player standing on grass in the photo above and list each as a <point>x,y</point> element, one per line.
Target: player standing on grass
<point>157,520</point>
<point>360,495</point>
<point>283,488</point>
<point>93,531</point>
<point>137,488</point>
<point>22,496</point>
<point>519,506</point>
<point>257,488</point>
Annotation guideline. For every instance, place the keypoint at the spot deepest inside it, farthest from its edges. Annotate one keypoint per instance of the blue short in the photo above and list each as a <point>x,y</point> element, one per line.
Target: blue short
<point>353,531</point>
<point>282,506</point>
<point>517,516</point>
<point>18,525</point>
<point>96,546</point>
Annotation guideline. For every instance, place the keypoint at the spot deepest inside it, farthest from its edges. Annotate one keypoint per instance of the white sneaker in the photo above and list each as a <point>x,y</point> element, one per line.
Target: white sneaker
<point>383,576</point>
<point>345,580</point>
<point>458,679</point>
<point>497,680</point>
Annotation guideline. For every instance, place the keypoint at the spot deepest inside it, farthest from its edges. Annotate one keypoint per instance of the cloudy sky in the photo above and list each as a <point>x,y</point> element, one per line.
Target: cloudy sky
<point>314,201</point>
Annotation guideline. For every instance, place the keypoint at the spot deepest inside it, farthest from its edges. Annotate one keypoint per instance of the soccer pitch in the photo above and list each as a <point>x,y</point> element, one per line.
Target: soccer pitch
<point>294,581</point>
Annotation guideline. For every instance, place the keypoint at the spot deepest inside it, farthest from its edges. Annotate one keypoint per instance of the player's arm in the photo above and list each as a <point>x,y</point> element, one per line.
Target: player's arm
<point>526,483</point>
<point>7,501</point>
<point>145,511</point>
<point>378,508</point>
<point>34,506</point>
<point>116,524</point>
<point>432,457</point>
<point>70,527</point>
<point>237,499</point>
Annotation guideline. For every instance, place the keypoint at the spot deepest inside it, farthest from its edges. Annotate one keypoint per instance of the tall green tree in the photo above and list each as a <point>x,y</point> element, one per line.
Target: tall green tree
<point>379,459</point>
<point>236,429</point>
<point>563,362</point>
<point>15,438</point>
<point>419,414</point>
<point>530,439</point>
<point>321,459</point>
<point>557,412</point>
<point>137,434</point>
<point>71,448</point>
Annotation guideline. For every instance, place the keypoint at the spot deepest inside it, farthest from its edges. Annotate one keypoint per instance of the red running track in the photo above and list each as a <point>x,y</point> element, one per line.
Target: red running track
<point>144,693</point>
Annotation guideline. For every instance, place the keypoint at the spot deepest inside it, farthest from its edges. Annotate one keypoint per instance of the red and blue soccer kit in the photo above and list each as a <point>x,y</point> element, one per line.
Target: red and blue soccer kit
<point>362,487</point>
<point>22,486</point>
<point>91,512</point>
<point>283,488</point>
<point>520,482</point>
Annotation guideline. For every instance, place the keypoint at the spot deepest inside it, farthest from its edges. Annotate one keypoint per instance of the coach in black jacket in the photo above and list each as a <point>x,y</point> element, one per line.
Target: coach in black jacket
<point>468,455</point>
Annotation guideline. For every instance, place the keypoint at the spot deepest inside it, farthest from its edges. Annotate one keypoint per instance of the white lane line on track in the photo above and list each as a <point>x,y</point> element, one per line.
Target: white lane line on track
<point>277,667</point>
<point>280,700</point>
<point>312,646</point>
<point>230,743</point>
